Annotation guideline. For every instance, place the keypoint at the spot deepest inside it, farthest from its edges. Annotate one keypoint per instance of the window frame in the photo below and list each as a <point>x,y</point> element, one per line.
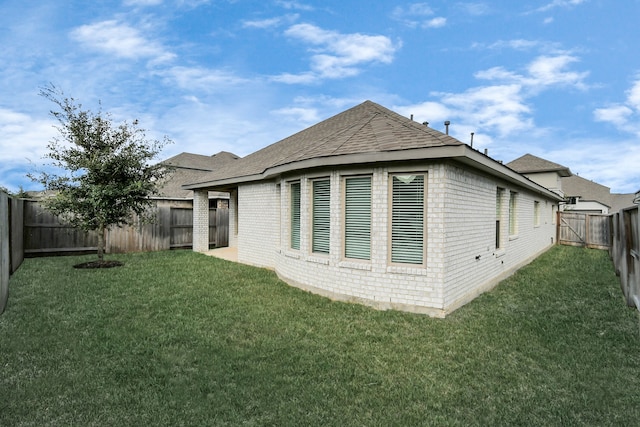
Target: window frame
<point>345,218</point>
<point>423,228</point>
<point>499,217</point>
<point>513,213</point>
<point>295,220</point>
<point>326,233</point>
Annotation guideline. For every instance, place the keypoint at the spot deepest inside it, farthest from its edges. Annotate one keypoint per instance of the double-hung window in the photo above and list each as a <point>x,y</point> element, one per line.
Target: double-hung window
<point>294,190</point>
<point>513,213</point>
<point>498,217</point>
<point>407,219</point>
<point>321,216</point>
<point>357,221</point>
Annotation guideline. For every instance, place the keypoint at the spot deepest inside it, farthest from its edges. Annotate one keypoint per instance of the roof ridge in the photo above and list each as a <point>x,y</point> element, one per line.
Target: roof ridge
<point>336,149</point>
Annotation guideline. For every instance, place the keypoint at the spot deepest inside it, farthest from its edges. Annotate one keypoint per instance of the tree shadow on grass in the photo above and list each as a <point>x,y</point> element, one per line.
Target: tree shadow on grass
<point>99,264</point>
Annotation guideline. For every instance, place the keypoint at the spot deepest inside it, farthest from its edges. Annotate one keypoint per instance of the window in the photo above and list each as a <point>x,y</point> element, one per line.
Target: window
<point>536,214</point>
<point>498,217</point>
<point>321,218</point>
<point>407,219</point>
<point>513,219</point>
<point>294,189</point>
<point>357,221</point>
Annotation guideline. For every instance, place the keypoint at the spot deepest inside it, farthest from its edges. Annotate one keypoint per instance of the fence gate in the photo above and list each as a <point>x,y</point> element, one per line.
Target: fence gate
<point>582,229</point>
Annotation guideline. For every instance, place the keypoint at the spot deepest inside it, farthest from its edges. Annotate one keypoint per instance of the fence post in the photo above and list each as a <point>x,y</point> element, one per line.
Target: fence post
<point>5,253</point>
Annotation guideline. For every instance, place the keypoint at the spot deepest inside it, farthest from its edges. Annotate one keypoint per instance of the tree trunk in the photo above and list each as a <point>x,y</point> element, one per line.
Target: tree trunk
<point>101,239</point>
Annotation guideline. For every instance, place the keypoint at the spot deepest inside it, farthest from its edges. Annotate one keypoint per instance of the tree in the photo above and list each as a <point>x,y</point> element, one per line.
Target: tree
<point>107,175</point>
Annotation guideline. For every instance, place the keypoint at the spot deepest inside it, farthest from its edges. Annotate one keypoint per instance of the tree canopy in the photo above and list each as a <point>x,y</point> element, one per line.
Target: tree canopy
<point>106,172</point>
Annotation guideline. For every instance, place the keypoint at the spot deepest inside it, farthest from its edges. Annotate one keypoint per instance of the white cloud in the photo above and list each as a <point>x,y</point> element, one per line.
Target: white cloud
<point>270,22</point>
<point>541,73</point>
<point>625,116</point>
<point>120,40</point>
<point>417,15</point>
<point>475,9</point>
<point>602,162</point>
<point>142,2</point>
<point>435,23</point>
<point>617,114</point>
<point>23,136</point>
<point>560,3</point>
<point>295,5</point>
<point>516,44</point>
<point>299,114</point>
<point>336,55</point>
<point>22,147</point>
<point>501,108</point>
<point>202,79</point>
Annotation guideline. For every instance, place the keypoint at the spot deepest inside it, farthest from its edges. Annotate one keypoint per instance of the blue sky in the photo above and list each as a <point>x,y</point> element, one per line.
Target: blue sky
<point>559,79</point>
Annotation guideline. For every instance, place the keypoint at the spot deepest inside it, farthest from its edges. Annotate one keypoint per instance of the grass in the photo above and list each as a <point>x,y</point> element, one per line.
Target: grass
<point>177,338</point>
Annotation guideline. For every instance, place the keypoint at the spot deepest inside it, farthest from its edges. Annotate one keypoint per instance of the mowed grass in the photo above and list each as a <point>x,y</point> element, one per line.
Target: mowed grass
<point>178,338</point>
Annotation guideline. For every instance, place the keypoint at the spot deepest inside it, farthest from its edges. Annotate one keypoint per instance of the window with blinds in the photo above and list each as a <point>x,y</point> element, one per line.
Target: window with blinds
<point>407,219</point>
<point>498,217</point>
<point>294,190</point>
<point>321,218</point>
<point>513,213</point>
<point>357,234</point>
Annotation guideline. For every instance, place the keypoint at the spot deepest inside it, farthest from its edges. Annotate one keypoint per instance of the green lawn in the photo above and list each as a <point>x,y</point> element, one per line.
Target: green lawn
<point>178,338</point>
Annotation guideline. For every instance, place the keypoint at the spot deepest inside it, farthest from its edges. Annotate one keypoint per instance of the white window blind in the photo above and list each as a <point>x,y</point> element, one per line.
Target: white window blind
<point>498,217</point>
<point>513,218</point>
<point>321,218</point>
<point>295,215</point>
<point>407,219</point>
<point>357,236</point>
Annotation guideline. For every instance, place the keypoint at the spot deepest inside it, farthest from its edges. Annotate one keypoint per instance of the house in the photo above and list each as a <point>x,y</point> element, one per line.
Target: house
<point>544,172</point>
<point>581,195</point>
<point>189,167</point>
<point>371,207</point>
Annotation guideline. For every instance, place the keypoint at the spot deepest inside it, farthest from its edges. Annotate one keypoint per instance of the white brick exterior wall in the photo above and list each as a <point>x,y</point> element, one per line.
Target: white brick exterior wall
<point>200,220</point>
<point>461,258</point>
<point>258,223</point>
<point>472,263</point>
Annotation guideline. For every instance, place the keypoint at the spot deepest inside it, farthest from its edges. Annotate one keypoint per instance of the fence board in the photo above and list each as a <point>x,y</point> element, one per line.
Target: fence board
<point>45,234</point>
<point>5,255</point>
<point>16,232</point>
<point>581,229</point>
<point>625,253</point>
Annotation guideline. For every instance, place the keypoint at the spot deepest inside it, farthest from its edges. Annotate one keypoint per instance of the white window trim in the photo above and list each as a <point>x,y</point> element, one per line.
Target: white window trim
<point>406,265</point>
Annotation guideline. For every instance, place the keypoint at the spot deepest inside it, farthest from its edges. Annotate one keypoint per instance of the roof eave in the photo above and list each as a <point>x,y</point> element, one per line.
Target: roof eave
<point>462,153</point>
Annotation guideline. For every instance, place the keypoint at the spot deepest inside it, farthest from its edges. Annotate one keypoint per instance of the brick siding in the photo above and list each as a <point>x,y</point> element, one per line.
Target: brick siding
<point>461,258</point>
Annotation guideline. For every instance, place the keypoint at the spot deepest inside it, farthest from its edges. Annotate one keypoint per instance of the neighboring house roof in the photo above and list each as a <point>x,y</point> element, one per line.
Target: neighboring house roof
<point>532,164</point>
<point>366,133</point>
<point>200,162</point>
<point>189,167</point>
<point>576,186</point>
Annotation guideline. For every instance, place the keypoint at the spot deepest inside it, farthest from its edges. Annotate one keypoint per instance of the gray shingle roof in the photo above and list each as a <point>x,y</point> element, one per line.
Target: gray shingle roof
<point>532,164</point>
<point>199,161</point>
<point>189,167</point>
<point>365,128</point>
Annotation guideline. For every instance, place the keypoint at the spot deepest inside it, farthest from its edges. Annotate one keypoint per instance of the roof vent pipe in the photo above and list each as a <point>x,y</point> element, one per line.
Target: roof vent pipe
<point>426,124</point>
<point>471,139</point>
<point>412,117</point>
<point>486,151</point>
<point>446,126</point>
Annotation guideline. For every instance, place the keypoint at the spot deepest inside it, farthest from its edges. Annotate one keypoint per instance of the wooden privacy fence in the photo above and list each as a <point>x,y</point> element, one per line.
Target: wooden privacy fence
<point>11,242</point>
<point>581,229</point>
<point>46,234</point>
<point>625,253</point>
